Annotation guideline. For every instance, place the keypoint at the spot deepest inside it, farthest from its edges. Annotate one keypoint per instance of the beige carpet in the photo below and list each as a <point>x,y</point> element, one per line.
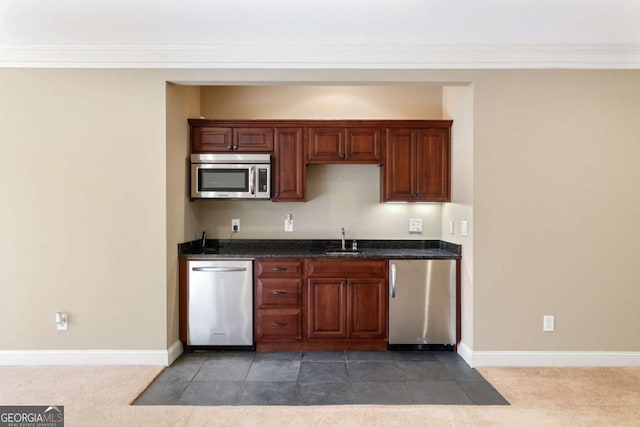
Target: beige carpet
<point>100,396</point>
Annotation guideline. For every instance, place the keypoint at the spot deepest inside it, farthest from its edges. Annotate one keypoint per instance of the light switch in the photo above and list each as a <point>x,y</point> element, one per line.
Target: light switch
<point>464,228</point>
<point>451,226</point>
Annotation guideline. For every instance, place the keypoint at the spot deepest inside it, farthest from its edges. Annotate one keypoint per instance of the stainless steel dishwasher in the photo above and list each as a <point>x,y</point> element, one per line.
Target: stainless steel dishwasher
<point>220,303</point>
<point>422,303</point>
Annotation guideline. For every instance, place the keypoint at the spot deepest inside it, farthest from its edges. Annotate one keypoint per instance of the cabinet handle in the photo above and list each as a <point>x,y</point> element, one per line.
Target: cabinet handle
<point>230,147</point>
<point>279,324</point>
<point>341,155</point>
<point>276,268</point>
<point>279,292</point>
<point>345,282</point>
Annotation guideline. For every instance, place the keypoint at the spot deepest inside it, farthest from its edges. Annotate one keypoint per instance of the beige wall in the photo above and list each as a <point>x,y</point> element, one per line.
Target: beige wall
<point>457,104</point>
<point>554,204</point>
<point>556,210</point>
<point>182,224</point>
<point>322,102</point>
<point>78,235</point>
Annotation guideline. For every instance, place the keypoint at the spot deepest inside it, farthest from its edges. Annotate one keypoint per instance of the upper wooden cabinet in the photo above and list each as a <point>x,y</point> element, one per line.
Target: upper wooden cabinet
<point>289,178</point>
<point>417,164</point>
<point>344,144</point>
<point>207,137</point>
<point>415,154</point>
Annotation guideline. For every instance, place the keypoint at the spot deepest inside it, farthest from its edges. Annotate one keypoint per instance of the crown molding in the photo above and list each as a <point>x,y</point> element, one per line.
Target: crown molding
<point>313,56</point>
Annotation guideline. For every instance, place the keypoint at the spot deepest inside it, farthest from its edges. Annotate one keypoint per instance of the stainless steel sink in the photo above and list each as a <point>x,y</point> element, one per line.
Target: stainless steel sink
<point>342,252</point>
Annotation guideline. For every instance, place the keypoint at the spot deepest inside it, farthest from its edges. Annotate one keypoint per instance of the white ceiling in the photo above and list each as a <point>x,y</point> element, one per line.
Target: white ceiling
<point>321,33</point>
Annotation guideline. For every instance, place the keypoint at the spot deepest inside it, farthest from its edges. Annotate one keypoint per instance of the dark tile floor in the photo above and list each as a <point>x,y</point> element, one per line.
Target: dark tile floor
<point>320,378</point>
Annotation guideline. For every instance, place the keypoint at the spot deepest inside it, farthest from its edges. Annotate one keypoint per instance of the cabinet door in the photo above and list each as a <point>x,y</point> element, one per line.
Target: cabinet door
<point>367,308</point>
<point>363,145</point>
<point>398,171</point>
<point>253,139</point>
<point>326,308</point>
<point>326,145</point>
<point>433,165</point>
<point>289,180</point>
<point>208,139</point>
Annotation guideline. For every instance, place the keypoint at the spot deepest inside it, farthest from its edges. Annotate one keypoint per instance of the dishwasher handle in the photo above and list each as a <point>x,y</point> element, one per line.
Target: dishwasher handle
<point>393,280</point>
<point>219,269</point>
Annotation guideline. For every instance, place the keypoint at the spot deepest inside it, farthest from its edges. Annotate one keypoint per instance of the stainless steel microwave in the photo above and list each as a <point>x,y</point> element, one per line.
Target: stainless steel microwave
<point>231,176</point>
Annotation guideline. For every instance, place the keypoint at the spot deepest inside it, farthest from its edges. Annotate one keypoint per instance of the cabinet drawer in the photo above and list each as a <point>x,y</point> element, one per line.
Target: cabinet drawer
<point>346,268</point>
<point>279,324</point>
<point>277,292</point>
<point>278,268</point>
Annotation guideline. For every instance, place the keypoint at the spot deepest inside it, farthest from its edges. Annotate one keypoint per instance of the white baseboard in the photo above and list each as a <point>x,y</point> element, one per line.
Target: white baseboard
<point>466,353</point>
<point>174,351</point>
<point>91,357</point>
<point>550,358</point>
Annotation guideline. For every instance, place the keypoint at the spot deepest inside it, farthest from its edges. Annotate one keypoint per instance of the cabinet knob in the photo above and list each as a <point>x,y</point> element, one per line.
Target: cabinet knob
<point>341,155</point>
<point>230,147</point>
<point>346,156</point>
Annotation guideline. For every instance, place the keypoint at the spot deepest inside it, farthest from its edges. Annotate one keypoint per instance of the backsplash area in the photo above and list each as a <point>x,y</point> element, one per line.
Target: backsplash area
<point>337,196</point>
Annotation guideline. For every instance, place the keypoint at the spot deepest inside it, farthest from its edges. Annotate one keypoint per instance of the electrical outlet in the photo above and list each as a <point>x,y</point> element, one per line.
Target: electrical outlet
<point>235,225</point>
<point>415,225</point>
<point>288,223</point>
<point>62,321</point>
<point>451,226</point>
<point>548,323</point>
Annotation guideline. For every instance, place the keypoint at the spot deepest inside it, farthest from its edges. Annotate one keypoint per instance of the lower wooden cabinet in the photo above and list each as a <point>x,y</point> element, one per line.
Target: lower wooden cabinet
<point>278,301</point>
<point>346,299</point>
<point>342,305</point>
<point>347,308</point>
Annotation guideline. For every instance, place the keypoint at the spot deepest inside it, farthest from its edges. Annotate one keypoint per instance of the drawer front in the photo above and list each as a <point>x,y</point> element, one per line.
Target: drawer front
<point>346,268</point>
<point>278,292</point>
<point>279,324</point>
<point>278,268</point>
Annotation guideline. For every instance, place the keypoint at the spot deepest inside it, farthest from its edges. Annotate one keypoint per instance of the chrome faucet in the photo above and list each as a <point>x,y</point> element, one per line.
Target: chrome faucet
<point>204,239</point>
<point>344,248</point>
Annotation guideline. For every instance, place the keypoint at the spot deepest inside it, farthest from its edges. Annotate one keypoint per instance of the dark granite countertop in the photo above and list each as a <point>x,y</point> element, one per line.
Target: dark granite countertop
<point>284,248</point>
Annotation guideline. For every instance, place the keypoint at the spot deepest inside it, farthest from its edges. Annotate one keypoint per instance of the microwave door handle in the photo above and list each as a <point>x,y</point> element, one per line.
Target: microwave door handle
<point>252,180</point>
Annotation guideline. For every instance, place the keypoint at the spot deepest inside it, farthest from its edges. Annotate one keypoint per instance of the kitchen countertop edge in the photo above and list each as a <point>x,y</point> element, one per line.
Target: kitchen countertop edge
<point>277,249</point>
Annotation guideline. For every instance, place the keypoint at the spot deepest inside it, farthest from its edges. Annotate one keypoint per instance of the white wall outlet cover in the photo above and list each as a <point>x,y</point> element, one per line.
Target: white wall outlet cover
<point>548,323</point>
<point>451,226</point>
<point>62,321</point>
<point>235,225</point>
<point>415,225</point>
<point>288,225</point>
